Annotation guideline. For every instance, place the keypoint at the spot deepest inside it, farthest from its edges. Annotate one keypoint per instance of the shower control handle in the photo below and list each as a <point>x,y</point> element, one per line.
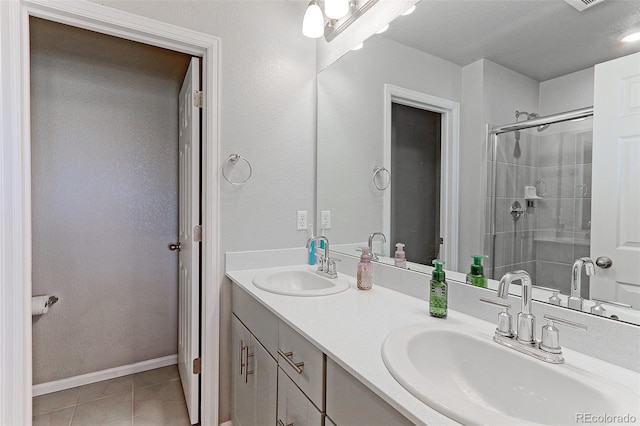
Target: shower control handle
<point>604,262</point>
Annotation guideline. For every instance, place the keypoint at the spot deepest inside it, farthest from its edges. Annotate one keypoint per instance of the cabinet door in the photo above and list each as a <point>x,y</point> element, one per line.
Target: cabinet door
<point>242,395</point>
<point>294,408</point>
<point>263,379</point>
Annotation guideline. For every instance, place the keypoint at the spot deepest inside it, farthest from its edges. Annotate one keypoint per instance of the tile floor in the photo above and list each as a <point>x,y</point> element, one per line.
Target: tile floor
<point>149,398</point>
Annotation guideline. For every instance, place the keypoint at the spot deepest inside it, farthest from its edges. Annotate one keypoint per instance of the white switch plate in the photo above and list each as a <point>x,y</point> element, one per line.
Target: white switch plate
<point>302,220</point>
<point>325,219</point>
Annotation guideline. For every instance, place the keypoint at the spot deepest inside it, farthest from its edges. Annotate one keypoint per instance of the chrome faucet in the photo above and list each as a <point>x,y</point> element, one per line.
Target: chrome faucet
<point>548,348</point>
<point>575,300</point>
<point>526,321</point>
<point>326,265</point>
<point>371,237</point>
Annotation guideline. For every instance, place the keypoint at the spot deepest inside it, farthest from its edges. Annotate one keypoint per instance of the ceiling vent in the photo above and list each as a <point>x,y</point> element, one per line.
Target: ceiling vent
<point>581,5</point>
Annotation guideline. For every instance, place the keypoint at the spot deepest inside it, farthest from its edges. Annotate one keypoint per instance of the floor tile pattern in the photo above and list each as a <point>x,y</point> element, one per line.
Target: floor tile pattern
<point>149,398</point>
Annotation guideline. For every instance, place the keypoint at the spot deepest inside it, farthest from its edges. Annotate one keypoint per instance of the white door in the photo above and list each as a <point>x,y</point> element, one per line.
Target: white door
<point>615,217</point>
<point>189,258</point>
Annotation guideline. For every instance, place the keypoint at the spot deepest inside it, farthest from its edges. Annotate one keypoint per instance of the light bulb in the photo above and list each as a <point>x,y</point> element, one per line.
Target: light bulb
<point>383,29</point>
<point>631,37</point>
<point>336,9</point>
<point>313,21</point>
<point>409,11</point>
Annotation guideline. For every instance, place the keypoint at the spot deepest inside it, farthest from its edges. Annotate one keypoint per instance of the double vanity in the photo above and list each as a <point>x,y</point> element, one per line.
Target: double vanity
<point>314,350</point>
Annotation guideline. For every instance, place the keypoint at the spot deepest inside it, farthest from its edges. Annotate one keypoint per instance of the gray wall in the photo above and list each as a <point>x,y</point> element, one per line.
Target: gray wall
<point>268,71</point>
<point>104,156</point>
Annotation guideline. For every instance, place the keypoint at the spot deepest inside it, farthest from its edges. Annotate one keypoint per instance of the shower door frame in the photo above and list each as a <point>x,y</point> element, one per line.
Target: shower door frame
<point>15,186</point>
<point>492,137</point>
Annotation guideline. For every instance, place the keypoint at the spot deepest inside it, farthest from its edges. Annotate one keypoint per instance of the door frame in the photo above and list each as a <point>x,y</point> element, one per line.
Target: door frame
<point>15,186</point>
<point>449,163</point>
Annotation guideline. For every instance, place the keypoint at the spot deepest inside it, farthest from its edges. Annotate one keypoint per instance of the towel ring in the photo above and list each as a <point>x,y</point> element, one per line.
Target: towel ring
<point>234,158</point>
<point>377,170</point>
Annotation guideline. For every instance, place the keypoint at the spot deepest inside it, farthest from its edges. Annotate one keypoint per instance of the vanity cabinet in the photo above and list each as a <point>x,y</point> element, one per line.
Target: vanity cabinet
<point>294,408</point>
<point>349,402</point>
<point>281,378</point>
<point>254,379</point>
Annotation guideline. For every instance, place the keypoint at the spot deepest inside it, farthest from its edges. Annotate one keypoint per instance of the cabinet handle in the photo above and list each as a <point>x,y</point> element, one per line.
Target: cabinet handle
<point>297,366</point>
<point>246,364</point>
<point>241,357</point>
<point>281,423</point>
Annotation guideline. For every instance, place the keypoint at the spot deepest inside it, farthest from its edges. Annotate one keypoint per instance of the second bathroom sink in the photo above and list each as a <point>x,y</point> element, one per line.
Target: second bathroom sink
<point>299,281</point>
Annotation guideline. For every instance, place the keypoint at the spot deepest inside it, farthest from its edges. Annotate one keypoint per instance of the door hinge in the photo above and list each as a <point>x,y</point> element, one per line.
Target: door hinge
<point>197,233</point>
<point>197,366</point>
<point>198,98</point>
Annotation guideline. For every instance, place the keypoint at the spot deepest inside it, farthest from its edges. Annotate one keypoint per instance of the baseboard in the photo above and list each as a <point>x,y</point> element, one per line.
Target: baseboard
<point>98,376</point>
<point>226,423</point>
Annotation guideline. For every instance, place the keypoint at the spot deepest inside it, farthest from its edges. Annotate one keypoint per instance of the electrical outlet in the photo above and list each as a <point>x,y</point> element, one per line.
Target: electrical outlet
<point>325,219</point>
<point>302,220</point>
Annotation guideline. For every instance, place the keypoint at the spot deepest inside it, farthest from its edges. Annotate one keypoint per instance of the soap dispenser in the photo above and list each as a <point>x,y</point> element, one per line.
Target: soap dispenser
<point>400,258</point>
<point>365,270</point>
<point>476,276</point>
<point>438,291</point>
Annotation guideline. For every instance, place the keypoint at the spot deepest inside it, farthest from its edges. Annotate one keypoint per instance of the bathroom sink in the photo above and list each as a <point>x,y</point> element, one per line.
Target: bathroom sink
<point>299,281</point>
<point>471,379</point>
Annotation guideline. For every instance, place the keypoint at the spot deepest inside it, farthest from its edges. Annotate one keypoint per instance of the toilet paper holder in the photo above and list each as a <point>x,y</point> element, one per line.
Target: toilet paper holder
<point>52,300</point>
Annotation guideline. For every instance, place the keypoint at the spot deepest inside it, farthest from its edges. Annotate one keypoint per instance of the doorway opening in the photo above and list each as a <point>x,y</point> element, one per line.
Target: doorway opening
<point>421,203</point>
<point>415,187</point>
<point>105,206</point>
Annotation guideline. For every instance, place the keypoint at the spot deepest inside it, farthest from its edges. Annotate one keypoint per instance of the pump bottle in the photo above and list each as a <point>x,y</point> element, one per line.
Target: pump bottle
<point>400,258</point>
<point>476,276</point>
<point>438,291</point>
<point>365,271</point>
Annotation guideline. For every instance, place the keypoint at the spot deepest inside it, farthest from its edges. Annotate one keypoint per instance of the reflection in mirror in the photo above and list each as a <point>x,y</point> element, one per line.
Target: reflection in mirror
<point>526,201</point>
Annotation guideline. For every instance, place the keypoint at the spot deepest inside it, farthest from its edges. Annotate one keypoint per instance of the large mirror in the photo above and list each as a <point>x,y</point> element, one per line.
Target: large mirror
<point>406,147</point>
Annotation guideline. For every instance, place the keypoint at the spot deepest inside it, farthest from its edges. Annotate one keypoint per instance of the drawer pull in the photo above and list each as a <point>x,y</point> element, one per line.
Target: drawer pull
<point>297,366</point>
<point>241,357</point>
<point>246,364</point>
<point>281,423</point>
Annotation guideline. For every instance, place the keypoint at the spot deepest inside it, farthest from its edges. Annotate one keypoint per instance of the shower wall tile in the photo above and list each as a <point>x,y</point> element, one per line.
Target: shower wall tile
<point>583,181</point>
<point>554,275</point>
<point>553,251</point>
<point>557,150</point>
<point>557,181</point>
<point>584,147</point>
<point>582,218</point>
<point>530,267</point>
<point>581,250</point>
<point>529,246</point>
<point>556,213</point>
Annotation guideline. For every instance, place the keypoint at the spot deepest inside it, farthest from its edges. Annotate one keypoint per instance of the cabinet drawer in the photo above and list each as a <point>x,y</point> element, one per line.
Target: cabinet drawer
<point>259,320</point>
<point>349,402</point>
<point>303,363</point>
<point>293,406</point>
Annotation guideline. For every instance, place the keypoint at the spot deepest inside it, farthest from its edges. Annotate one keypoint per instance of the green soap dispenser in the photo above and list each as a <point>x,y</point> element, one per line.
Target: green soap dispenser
<point>438,291</point>
<point>476,276</point>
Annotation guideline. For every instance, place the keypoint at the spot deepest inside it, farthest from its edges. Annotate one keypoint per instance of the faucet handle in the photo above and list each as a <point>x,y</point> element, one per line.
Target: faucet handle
<point>505,320</point>
<point>550,338</point>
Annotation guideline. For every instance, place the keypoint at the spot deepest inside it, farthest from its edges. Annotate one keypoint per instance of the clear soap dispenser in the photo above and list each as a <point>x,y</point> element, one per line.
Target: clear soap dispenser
<point>365,271</point>
<point>400,258</point>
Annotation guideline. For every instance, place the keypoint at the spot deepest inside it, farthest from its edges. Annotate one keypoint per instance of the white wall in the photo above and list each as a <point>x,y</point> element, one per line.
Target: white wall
<point>567,92</point>
<point>502,92</point>
<point>268,115</point>
<point>104,138</point>
<point>350,127</point>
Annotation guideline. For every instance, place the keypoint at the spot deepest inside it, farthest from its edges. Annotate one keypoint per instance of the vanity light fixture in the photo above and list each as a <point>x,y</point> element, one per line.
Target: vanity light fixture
<point>383,29</point>
<point>630,38</point>
<point>313,21</point>
<point>337,16</point>
<point>409,11</point>
<point>336,9</point>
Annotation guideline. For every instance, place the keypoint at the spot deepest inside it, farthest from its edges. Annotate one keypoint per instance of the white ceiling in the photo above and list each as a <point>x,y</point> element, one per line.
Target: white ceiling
<point>542,39</point>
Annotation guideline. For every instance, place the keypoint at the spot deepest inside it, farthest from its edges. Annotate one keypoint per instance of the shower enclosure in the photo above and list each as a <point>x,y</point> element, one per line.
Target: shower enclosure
<point>539,197</point>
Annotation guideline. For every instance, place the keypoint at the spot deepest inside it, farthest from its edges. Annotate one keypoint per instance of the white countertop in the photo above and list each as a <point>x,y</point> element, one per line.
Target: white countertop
<point>351,326</point>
